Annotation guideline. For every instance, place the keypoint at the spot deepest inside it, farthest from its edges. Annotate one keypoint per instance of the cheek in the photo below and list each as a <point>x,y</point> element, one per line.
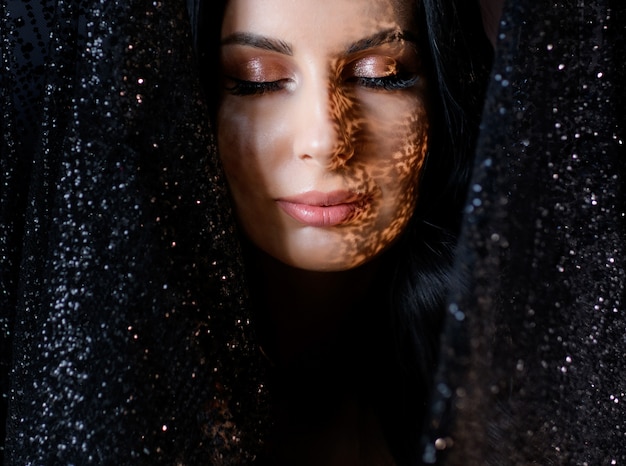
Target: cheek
<point>393,150</point>
<point>230,128</point>
<point>400,150</point>
<point>401,192</point>
<point>246,153</point>
<point>408,160</point>
<point>407,170</point>
<point>399,169</point>
<point>236,132</point>
<point>247,145</point>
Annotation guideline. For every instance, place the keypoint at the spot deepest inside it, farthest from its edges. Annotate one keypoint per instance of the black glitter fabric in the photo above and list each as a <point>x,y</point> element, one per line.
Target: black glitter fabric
<point>125,332</point>
<point>534,368</point>
<point>124,322</point>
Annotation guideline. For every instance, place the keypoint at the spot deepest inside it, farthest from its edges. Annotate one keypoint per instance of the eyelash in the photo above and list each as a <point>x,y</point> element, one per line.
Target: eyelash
<point>242,87</point>
<point>387,83</point>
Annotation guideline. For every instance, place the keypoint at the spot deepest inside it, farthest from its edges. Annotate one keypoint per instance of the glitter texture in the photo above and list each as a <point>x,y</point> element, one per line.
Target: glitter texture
<point>536,371</point>
<point>122,332</point>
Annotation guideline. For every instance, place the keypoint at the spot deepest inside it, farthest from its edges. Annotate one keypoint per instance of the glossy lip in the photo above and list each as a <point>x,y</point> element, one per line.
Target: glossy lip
<point>323,209</point>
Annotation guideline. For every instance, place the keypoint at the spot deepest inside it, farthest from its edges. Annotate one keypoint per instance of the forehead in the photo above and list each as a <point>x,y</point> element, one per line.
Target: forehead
<point>317,22</point>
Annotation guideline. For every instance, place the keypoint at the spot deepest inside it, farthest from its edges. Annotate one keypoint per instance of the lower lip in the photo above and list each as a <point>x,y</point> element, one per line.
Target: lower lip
<point>320,216</point>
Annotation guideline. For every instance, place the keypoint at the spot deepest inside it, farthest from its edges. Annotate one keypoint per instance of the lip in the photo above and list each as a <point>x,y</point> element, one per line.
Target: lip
<point>323,209</point>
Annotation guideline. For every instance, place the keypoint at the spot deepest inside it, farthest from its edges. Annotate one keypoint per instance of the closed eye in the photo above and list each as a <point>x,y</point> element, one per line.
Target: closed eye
<point>383,71</point>
<point>386,83</point>
<point>242,87</point>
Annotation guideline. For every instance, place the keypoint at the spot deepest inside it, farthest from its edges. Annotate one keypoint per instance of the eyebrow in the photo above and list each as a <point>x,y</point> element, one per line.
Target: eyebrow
<point>259,42</point>
<point>276,45</point>
<point>380,38</point>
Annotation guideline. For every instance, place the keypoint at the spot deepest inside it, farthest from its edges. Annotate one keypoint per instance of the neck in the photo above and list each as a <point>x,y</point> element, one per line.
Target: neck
<point>304,308</point>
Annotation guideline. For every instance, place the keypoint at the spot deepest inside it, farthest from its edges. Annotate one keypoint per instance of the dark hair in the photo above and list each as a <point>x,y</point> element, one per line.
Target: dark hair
<point>206,25</point>
<point>460,57</point>
<point>416,270</point>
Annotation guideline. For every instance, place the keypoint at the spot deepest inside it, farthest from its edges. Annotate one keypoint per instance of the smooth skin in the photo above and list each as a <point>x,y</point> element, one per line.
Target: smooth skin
<point>323,102</point>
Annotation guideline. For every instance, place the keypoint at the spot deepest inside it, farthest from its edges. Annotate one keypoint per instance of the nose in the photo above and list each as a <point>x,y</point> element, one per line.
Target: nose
<point>324,131</point>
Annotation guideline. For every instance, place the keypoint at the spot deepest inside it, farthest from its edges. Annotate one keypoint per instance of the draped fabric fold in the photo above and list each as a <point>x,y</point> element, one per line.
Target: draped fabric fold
<point>534,367</point>
<point>126,324</point>
<point>126,335</point>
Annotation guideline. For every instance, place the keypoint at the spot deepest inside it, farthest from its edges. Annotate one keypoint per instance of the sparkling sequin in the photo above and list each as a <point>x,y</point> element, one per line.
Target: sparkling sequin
<point>542,344</point>
<point>128,293</point>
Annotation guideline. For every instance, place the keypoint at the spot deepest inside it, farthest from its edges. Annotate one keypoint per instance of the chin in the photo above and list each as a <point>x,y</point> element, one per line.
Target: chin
<point>321,252</point>
<point>316,262</point>
<point>325,267</point>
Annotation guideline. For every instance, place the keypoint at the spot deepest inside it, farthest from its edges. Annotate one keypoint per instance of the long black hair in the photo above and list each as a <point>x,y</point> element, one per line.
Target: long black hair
<point>459,57</point>
<point>416,271</point>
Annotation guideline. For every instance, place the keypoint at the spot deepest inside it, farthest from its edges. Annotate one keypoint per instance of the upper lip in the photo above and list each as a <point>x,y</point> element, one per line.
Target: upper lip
<point>319,198</point>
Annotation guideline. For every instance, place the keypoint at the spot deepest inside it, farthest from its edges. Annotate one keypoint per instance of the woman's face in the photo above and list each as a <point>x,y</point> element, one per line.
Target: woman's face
<point>322,126</point>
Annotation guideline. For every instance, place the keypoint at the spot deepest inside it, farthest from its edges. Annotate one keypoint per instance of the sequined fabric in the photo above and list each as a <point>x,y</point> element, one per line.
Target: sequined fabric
<point>124,317</point>
<point>534,368</point>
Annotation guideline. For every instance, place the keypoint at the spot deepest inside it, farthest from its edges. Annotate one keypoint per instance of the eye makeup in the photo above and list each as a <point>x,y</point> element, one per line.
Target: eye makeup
<point>391,66</point>
<point>248,72</point>
<point>384,61</point>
